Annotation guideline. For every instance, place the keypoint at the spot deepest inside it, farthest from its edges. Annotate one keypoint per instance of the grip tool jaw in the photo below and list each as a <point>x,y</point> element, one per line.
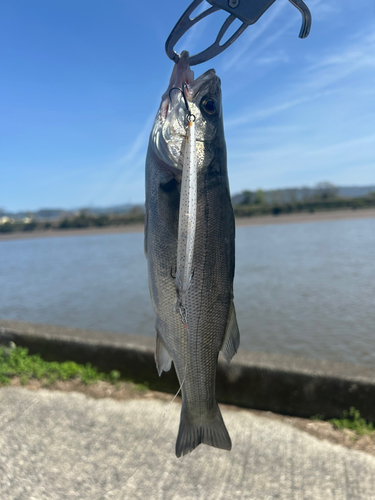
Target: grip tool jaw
<point>247,11</point>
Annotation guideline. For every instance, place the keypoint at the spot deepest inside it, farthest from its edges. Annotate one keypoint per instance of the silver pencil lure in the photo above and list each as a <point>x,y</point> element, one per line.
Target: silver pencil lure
<point>187,214</point>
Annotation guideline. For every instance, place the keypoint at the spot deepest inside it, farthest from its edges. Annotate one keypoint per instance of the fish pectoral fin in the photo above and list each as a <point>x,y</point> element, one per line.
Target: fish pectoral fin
<point>211,431</point>
<point>231,340</point>
<point>162,357</point>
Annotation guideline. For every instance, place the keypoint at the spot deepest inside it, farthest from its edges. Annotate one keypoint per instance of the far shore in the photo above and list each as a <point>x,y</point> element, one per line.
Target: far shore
<point>257,220</point>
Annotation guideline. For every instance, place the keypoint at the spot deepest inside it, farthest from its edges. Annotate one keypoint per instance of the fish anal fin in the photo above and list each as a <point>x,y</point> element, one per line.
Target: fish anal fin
<point>231,340</point>
<point>162,357</point>
<point>210,431</point>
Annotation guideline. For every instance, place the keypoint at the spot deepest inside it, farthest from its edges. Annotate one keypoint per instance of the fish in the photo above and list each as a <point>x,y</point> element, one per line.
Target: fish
<point>192,337</point>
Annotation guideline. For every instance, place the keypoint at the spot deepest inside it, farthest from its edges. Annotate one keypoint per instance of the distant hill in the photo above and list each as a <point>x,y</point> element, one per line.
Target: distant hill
<point>356,191</point>
<point>115,209</point>
<point>286,195</point>
<point>56,214</point>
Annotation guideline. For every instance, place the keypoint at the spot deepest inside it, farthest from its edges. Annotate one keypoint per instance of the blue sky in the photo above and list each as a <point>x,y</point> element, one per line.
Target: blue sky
<point>81,81</point>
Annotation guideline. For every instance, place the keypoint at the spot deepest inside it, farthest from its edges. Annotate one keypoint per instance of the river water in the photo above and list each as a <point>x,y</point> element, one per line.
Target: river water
<point>304,289</point>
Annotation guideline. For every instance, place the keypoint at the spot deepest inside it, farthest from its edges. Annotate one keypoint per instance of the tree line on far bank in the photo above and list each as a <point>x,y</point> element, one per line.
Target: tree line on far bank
<point>80,221</point>
<point>324,197</point>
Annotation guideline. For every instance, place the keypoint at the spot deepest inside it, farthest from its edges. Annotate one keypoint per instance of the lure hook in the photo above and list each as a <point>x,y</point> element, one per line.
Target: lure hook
<point>191,117</point>
<point>183,314</point>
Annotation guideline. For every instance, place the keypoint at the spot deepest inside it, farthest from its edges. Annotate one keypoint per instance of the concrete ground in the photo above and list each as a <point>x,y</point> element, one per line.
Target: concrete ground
<point>56,446</point>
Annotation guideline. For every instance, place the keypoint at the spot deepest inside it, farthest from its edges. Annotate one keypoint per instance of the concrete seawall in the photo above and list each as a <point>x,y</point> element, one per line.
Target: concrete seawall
<point>281,384</point>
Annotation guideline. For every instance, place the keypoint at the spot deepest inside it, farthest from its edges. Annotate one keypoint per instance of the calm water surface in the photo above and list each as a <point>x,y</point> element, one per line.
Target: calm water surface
<point>300,289</point>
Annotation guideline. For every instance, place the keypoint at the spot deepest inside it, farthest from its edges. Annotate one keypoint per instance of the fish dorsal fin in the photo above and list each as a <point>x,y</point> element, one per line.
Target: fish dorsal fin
<point>231,340</point>
<point>162,357</point>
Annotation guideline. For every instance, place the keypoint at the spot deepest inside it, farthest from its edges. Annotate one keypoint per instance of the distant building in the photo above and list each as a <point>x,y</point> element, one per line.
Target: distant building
<point>4,219</point>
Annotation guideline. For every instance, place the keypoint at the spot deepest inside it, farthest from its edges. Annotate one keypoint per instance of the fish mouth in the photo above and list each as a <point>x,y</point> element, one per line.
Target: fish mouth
<point>169,128</point>
<point>182,74</point>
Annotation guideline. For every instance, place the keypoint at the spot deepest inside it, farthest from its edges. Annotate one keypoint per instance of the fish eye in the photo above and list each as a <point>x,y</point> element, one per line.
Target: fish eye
<point>208,105</point>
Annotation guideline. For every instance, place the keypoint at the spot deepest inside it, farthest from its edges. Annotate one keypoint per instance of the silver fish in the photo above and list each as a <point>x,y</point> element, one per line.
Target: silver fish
<point>211,323</point>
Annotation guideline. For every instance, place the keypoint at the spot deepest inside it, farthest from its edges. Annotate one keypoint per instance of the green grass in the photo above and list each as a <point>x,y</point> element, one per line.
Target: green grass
<point>17,362</point>
<point>352,420</point>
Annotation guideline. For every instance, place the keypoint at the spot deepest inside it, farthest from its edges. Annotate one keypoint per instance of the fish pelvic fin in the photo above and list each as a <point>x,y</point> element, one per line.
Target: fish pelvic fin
<point>211,431</point>
<point>163,359</point>
<point>231,340</point>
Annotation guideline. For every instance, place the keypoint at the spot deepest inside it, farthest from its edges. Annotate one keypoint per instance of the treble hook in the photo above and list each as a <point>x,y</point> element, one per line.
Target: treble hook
<point>183,314</point>
<point>182,90</point>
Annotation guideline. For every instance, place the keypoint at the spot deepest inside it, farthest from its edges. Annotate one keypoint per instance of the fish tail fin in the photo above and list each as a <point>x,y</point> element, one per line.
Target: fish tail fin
<point>211,431</point>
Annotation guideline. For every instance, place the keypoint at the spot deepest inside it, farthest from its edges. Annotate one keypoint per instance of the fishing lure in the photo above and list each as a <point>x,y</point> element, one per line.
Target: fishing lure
<point>187,219</point>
